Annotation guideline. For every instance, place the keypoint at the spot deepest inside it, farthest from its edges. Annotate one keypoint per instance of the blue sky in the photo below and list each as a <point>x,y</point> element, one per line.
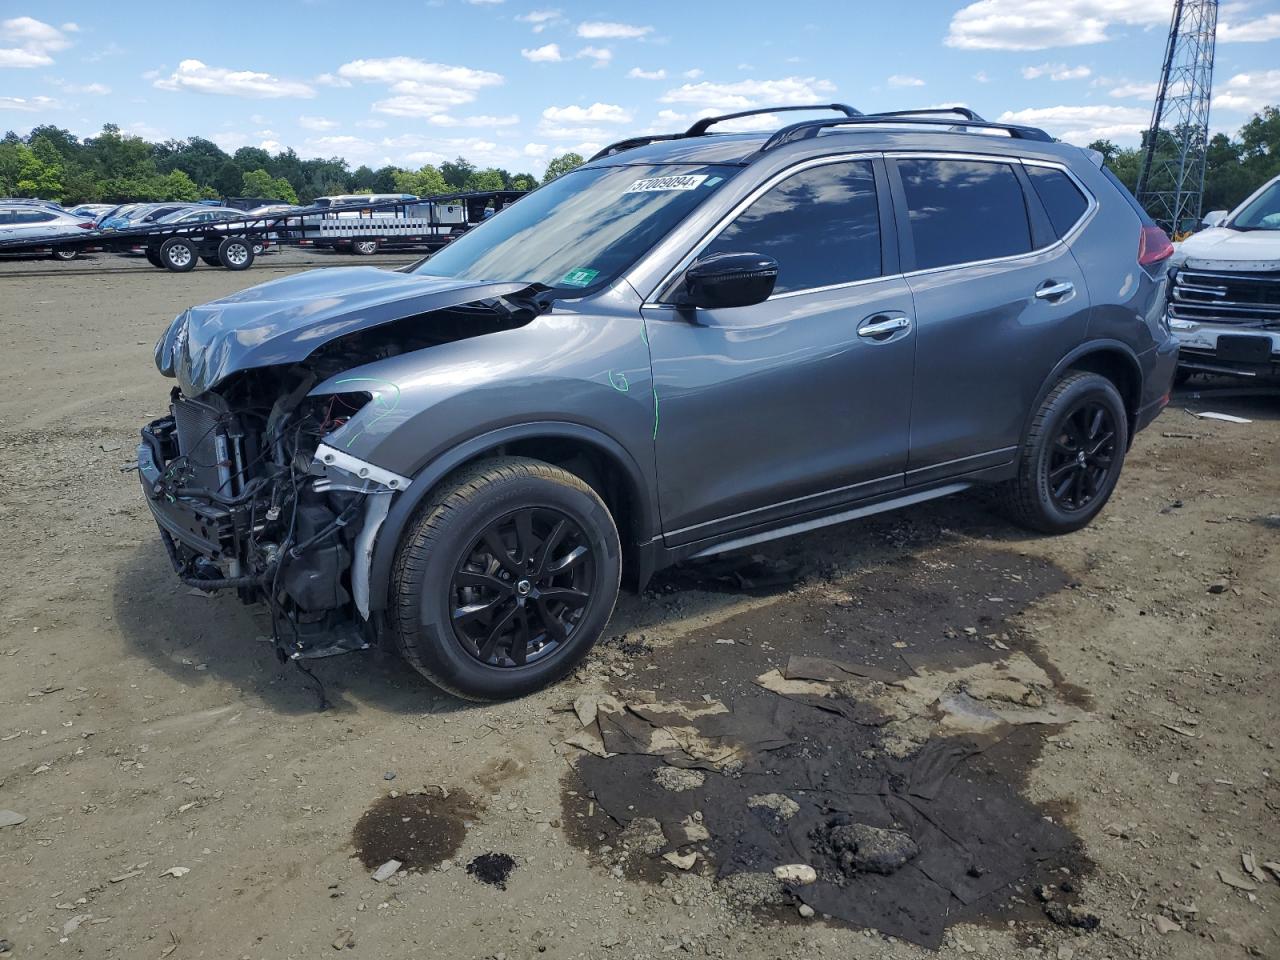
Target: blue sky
<point>512,82</point>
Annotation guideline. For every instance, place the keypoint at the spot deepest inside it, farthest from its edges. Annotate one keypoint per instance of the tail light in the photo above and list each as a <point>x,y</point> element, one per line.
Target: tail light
<point>88,225</point>
<point>1153,246</point>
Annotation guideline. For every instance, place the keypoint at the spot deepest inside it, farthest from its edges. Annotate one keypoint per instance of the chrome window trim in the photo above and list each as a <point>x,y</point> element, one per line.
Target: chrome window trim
<point>732,214</point>
<point>1009,161</point>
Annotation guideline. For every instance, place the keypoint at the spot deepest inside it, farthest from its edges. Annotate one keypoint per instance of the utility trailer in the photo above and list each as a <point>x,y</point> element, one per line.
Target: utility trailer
<point>231,243</point>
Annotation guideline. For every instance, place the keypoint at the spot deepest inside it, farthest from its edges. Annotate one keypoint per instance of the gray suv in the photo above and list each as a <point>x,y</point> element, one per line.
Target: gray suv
<point>691,344</point>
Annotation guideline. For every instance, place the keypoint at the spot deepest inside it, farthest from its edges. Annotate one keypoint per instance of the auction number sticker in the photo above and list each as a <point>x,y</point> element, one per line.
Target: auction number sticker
<point>655,184</point>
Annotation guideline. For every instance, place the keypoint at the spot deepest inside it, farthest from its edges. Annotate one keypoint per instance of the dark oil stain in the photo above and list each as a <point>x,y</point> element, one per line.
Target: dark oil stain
<point>913,613</point>
<point>492,868</point>
<point>419,830</point>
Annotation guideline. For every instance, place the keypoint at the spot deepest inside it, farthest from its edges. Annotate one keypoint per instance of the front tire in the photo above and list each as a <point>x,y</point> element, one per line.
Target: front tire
<point>235,253</point>
<point>65,254</point>
<point>178,254</point>
<point>505,580</point>
<point>1071,458</point>
<point>365,248</point>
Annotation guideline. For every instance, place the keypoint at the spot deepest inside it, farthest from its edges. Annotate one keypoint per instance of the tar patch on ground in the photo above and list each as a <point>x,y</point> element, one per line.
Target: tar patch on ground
<point>492,868</point>
<point>419,830</point>
<point>910,824</point>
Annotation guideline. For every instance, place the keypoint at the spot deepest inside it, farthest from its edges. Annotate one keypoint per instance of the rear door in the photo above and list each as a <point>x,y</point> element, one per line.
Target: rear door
<point>999,300</point>
<point>801,402</point>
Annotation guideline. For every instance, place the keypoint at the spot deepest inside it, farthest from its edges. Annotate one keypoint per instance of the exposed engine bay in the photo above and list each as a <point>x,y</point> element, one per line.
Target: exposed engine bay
<point>249,496</point>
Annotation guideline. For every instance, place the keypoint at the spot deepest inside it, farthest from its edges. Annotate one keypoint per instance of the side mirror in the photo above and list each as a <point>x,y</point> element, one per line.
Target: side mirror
<point>1214,218</point>
<point>729,280</point>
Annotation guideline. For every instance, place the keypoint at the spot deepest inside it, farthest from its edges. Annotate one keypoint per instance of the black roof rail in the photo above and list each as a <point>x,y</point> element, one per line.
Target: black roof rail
<point>806,129</point>
<point>700,127</point>
<point>930,111</point>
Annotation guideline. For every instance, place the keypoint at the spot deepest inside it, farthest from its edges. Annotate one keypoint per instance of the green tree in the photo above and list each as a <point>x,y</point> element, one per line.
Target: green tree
<point>524,181</point>
<point>228,179</point>
<point>40,171</point>
<point>259,183</point>
<point>178,186</point>
<point>486,180</point>
<point>561,165</point>
<point>457,172</point>
<point>426,181</point>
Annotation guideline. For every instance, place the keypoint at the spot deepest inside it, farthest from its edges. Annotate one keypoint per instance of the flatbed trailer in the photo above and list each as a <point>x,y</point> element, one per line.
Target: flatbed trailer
<point>233,243</point>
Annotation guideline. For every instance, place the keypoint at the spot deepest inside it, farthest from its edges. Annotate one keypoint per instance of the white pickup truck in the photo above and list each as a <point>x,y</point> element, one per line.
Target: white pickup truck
<point>1224,298</point>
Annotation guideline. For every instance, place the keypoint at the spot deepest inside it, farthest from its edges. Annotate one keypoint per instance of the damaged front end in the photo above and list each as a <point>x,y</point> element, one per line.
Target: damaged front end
<point>251,498</point>
<point>248,493</point>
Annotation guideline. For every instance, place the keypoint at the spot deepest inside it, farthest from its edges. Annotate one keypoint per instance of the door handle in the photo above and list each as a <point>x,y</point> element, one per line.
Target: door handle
<point>1055,291</point>
<point>882,325</point>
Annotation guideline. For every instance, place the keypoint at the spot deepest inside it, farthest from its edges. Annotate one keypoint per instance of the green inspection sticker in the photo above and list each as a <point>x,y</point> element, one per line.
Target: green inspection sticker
<point>579,278</point>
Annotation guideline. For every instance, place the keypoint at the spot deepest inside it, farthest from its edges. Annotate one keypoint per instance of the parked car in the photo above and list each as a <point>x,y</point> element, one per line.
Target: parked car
<point>92,211</point>
<point>34,220</point>
<point>688,345</point>
<point>1224,304</point>
<point>139,214</point>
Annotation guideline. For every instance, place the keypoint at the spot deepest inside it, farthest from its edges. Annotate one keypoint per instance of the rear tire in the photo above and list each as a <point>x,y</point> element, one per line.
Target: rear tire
<point>364,248</point>
<point>480,604</point>
<point>178,254</point>
<point>235,253</point>
<point>153,257</point>
<point>1071,458</point>
<point>65,254</point>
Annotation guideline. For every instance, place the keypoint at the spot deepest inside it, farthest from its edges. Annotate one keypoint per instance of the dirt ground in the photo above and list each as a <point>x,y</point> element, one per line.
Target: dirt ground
<point>185,798</point>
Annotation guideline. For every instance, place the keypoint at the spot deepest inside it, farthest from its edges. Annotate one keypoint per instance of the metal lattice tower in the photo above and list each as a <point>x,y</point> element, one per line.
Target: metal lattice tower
<point>1171,184</point>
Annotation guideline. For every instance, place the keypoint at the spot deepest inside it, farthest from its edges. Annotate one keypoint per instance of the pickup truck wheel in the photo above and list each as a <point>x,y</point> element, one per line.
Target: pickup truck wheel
<point>1071,458</point>
<point>235,253</point>
<point>365,248</point>
<point>505,579</point>
<point>178,254</point>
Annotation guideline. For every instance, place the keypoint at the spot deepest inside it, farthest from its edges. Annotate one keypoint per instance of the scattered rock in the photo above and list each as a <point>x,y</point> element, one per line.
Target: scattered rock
<point>125,876</point>
<point>859,847</point>
<point>1272,867</point>
<point>11,818</point>
<point>72,925</point>
<point>796,874</point>
<point>677,779</point>
<point>746,890</point>
<point>345,940</point>
<point>681,861</point>
<point>1004,690</point>
<point>1165,925</point>
<point>389,775</point>
<point>1250,864</point>
<point>1233,879</point>
<point>492,868</point>
<point>687,831</point>
<point>387,870</point>
<point>176,872</point>
<point>1068,915</point>
<point>782,806</point>
<point>805,911</point>
<point>643,836</point>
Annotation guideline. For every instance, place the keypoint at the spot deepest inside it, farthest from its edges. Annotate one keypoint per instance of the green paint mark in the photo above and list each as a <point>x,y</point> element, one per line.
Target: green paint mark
<point>644,333</point>
<point>388,400</point>
<point>619,382</point>
<point>655,413</point>
<point>581,277</point>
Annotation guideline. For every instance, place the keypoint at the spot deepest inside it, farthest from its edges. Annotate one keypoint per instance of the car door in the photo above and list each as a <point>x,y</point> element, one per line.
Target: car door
<point>801,402</point>
<point>999,300</point>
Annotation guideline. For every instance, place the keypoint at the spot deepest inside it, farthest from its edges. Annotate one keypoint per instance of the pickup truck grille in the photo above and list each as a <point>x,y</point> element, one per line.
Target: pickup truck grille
<point>1246,299</point>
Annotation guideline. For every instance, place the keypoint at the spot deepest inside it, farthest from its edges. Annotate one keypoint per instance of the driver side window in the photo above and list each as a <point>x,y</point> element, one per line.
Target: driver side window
<point>822,225</point>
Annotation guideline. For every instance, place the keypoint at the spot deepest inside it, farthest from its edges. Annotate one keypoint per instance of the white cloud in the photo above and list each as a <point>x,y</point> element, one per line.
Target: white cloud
<point>1056,71</point>
<point>32,43</point>
<point>538,151</point>
<point>1140,91</point>
<point>329,80</point>
<point>315,123</point>
<point>1251,31</point>
<point>601,30</point>
<point>636,73</point>
<point>373,123</point>
<point>596,113</point>
<point>601,55</point>
<point>95,89</point>
<point>445,120</point>
<point>744,94</point>
<point>392,69</point>
<point>902,80</point>
<point>1083,125</point>
<point>550,53</point>
<point>197,77</point>
<point>29,104</point>
<point>484,3</point>
<point>539,19</point>
<point>981,77</point>
<point>1249,92</point>
<point>556,131</point>
<point>1040,24</point>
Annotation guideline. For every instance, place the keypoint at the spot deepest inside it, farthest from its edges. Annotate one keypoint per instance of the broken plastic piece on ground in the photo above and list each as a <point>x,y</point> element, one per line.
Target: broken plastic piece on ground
<point>734,572</point>
<point>1224,417</point>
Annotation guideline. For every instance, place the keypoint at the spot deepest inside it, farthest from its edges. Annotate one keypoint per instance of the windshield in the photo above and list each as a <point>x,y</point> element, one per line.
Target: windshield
<point>581,230</point>
<point>1263,213</point>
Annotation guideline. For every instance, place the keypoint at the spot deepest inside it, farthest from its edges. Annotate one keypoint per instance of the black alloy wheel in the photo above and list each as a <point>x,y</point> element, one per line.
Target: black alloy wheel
<point>1079,462</point>
<point>521,589</point>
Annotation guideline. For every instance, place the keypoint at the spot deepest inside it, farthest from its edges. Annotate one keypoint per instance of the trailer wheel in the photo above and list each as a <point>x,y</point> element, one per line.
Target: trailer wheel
<point>65,254</point>
<point>257,249</point>
<point>235,253</point>
<point>153,257</point>
<point>212,261</point>
<point>178,254</point>
<point>365,248</point>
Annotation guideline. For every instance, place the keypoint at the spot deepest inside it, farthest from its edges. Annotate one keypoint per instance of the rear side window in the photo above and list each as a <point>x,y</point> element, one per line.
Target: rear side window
<point>822,225</point>
<point>1129,198</point>
<point>964,210</point>
<point>1062,199</point>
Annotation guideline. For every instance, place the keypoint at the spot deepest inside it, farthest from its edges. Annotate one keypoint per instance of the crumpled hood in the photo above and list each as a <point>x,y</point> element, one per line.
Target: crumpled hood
<point>1224,249</point>
<point>285,321</point>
